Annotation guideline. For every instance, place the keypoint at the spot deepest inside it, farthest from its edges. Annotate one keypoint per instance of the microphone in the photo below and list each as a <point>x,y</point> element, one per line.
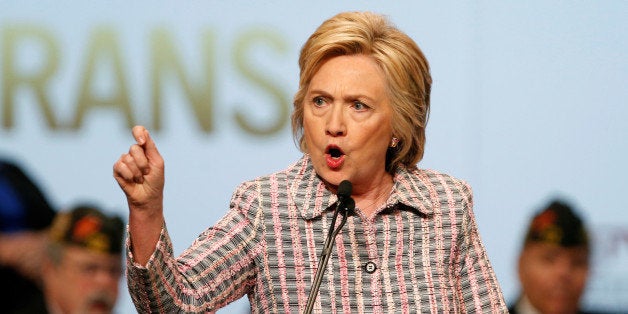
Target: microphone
<point>344,197</point>
<point>344,206</point>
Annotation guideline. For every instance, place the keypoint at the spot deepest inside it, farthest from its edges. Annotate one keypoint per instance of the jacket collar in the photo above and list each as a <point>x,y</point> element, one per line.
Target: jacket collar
<point>310,196</point>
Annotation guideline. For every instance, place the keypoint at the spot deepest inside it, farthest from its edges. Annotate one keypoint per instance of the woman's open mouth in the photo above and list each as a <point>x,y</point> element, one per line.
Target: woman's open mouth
<point>334,156</point>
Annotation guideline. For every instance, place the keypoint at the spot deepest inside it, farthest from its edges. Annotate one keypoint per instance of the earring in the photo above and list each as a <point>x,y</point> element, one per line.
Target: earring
<point>394,142</point>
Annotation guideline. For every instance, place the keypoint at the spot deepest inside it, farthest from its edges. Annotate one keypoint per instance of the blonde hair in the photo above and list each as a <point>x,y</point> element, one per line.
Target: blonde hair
<point>404,65</point>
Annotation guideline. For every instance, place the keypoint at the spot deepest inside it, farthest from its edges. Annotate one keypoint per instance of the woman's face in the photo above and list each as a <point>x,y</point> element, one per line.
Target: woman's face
<point>347,121</point>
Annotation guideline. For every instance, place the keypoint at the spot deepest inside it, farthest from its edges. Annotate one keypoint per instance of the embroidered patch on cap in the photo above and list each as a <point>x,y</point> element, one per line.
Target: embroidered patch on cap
<point>88,227</point>
<point>558,224</point>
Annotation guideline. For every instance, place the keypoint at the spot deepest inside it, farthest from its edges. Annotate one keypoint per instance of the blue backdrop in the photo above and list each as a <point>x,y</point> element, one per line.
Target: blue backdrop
<point>529,102</point>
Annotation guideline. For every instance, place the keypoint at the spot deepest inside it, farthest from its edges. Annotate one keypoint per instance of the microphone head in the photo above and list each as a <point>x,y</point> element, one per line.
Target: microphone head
<point>350,204</point>
<point>344,188</point>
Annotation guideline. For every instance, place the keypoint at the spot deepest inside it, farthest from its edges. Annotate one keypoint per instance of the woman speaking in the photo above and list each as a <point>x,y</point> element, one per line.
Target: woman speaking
<point>409,244</point>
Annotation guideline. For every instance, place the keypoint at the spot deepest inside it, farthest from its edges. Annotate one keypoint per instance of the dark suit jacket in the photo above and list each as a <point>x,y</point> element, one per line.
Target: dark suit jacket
<point>23,207</point>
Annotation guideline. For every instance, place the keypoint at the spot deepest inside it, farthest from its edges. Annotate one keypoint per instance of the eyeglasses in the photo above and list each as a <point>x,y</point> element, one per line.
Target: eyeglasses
<point>90,265</point>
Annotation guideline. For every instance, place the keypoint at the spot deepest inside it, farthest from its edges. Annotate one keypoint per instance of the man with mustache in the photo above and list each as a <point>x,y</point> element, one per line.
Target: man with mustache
<point>82,266</point>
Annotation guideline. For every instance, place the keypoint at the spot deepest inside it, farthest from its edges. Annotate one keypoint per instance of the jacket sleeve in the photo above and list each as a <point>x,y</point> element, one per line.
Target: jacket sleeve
<point>478,287</point>
<point>218,268</point>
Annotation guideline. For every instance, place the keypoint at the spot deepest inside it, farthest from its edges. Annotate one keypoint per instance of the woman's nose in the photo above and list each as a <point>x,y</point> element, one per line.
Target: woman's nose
<point>335,125</point>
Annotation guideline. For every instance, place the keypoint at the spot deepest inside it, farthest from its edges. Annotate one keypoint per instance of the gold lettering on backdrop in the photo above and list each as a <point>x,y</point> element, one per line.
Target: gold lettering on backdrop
<point>37,81</point>
<point>165,60</point>
<point>102,82</point>
<point>103,47</point>
<point>249,69</point>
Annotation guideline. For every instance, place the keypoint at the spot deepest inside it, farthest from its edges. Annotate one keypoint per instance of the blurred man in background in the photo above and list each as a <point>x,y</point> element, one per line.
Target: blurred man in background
<point>25,215</point>
<point>68,262</point>
<point>82,265</point>
<point>554,262</point>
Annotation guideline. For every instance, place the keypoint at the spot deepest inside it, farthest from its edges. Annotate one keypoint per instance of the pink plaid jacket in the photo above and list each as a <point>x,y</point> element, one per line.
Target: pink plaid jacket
<point>420,254</point>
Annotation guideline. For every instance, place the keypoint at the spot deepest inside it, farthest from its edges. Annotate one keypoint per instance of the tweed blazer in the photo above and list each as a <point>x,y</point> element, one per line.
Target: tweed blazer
<point>421,252</point>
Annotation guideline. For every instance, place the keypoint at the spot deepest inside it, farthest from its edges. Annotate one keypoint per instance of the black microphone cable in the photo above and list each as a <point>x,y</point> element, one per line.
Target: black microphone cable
<point>345,205</point>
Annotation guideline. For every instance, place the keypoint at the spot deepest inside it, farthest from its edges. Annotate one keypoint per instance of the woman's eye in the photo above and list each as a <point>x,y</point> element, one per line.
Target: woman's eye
<point>319,101</point>
<point>360,106</point>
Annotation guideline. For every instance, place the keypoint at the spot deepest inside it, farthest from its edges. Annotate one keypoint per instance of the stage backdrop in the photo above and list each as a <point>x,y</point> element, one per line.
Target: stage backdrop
<point>529,102</point>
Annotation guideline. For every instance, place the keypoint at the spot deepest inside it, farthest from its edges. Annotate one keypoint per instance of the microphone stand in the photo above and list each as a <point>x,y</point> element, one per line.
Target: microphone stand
<point>325,254</point>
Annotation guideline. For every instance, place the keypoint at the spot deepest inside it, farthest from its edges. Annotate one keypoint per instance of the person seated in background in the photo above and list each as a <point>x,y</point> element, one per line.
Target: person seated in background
<point>25,215</point>
<point>553,265</point>
<point>83,263</point>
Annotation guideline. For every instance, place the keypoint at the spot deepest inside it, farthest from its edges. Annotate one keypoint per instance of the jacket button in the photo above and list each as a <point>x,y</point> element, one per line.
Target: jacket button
<point>370,267</point>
